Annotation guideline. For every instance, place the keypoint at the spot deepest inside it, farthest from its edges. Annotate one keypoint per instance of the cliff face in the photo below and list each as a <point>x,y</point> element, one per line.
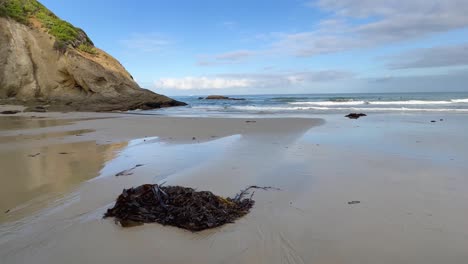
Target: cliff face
<point>38,67</point>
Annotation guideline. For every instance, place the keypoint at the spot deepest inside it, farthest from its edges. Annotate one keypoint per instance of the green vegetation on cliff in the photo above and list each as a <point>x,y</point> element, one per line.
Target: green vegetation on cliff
<point>64,32</point>
<point>87,48</point>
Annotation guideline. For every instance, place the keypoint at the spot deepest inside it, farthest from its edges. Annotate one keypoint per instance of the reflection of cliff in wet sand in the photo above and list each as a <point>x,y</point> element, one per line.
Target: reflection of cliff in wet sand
<point>18,122</point>
<point>37,166</point>
<point>40,172</point>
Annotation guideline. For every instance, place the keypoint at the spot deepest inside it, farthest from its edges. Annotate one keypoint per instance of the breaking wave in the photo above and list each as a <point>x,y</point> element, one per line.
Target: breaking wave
<point>324,108</point>
<point>409,102</point>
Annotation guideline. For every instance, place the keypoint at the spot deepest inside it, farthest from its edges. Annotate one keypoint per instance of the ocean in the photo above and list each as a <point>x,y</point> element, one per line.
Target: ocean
<point>304,104</point>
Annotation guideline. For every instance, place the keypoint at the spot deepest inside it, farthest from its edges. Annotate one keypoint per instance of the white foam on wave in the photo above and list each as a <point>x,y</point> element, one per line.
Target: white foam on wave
<point>277,108</point>
<point>460,100</point>
<point>369,109</point>
<point>329,103</point>
<point>409,102</point>
<point>267,108</point>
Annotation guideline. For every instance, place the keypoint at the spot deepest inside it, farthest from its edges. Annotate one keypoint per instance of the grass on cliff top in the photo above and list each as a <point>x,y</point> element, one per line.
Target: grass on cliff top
<point>64,32</point>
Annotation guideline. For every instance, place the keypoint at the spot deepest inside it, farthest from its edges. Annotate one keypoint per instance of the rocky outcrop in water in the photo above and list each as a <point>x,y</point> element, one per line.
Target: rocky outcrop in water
<point>220,97</point>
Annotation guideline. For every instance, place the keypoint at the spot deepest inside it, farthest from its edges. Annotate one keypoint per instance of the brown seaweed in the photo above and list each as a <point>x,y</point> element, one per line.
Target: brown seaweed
<point>179,206</point>
<point>355,115</point>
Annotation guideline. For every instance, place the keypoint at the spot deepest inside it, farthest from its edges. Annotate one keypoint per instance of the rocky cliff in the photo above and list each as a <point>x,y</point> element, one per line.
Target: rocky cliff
<point>47,61</point>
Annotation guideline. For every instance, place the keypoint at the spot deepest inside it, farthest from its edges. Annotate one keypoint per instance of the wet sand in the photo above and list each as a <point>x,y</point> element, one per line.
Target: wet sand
<point>408,174</point>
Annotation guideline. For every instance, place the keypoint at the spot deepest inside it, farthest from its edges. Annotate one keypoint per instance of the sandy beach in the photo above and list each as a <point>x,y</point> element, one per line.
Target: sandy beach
<point>234,132</point>
<point>407,173</point>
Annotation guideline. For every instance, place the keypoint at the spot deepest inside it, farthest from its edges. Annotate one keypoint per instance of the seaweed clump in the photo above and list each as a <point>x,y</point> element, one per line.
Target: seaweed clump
<point>355,115</point>
<point>179,206</point>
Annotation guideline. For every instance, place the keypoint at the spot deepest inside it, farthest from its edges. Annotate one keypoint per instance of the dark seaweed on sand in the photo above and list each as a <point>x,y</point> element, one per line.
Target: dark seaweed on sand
<point>179,206</point>
<point>355,115</point>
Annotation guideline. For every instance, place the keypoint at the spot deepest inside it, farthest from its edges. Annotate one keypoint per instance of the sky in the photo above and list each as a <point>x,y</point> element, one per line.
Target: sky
<point>199,47</point>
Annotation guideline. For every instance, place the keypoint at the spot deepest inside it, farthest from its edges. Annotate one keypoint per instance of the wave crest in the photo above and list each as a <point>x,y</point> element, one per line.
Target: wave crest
<point>323,108</point>
<point>362,102</point>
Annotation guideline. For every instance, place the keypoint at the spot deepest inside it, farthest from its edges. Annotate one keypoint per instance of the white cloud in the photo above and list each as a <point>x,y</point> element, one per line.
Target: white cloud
<point>146,42</point>
<point>388,21</point>
<point>201,83</point>
<point>387,8</point>
<point>235,55</point>
<point>359,24</point>
<point>225,58</point>
<point>226,81</point>
<point>453,55</point>
<point>307,44</point>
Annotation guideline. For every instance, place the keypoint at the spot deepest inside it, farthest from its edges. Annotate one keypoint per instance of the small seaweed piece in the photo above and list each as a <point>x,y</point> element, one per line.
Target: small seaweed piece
<point>129,171</point>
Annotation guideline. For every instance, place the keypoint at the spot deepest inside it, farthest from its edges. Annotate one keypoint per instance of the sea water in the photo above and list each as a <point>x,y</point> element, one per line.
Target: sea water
<point>303,104</point>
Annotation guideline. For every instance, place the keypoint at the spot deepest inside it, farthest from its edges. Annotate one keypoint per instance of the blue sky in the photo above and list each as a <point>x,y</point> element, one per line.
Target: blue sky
<point>291,46</point>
